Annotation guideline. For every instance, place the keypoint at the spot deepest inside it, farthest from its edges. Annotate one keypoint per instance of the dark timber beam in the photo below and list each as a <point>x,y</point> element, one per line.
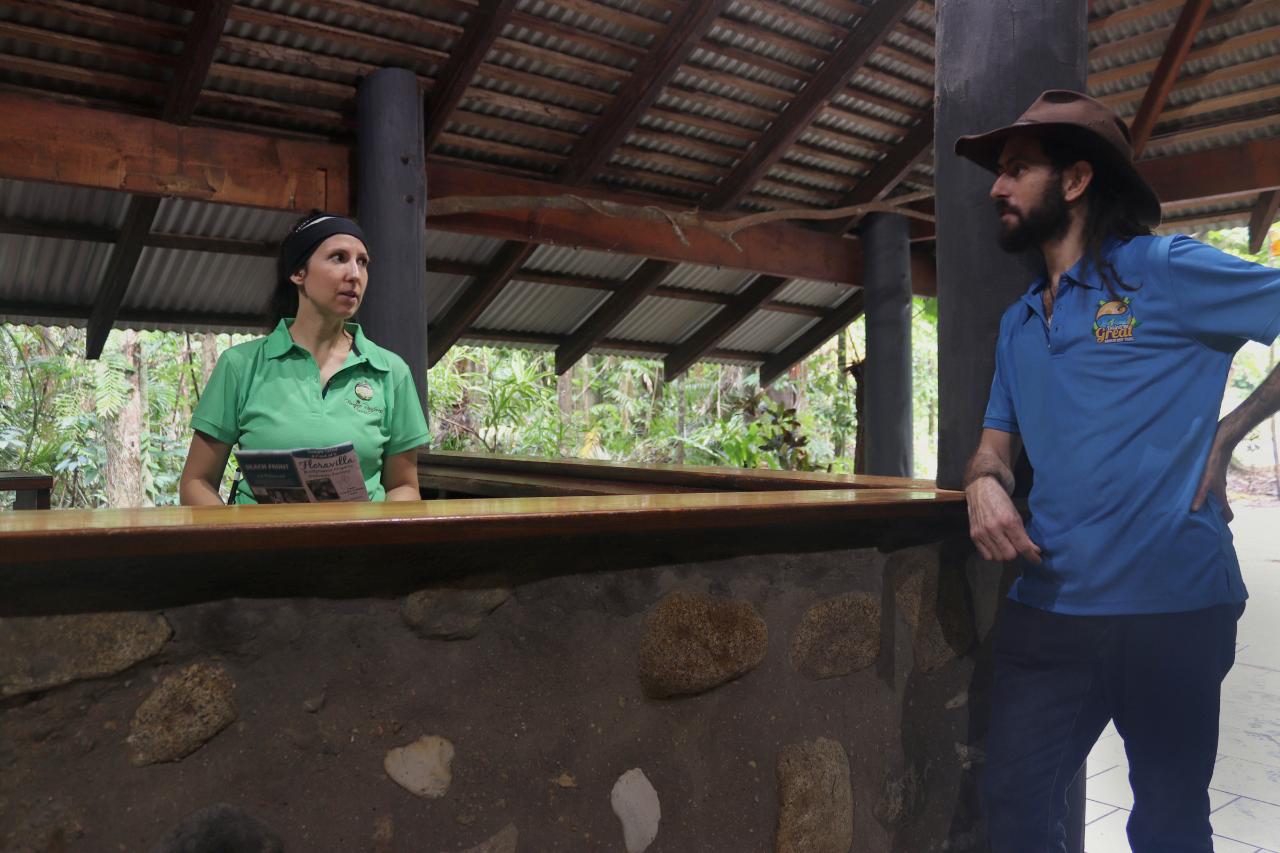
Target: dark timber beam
<point>647,81</point>
<point>1245,169</point>
<point>1175,53</point>
<point>818,334</point>
<point>78,146</point>
<point>1264,214</point>
<point>483,27</point>
<point>203,34</point>
<point>595,328</point>
<point>471,303</point>
<point>868,34</point>
<point>888,173</point>
<point>124,261</point>
<point>722,324</point>
<point>649,77</point>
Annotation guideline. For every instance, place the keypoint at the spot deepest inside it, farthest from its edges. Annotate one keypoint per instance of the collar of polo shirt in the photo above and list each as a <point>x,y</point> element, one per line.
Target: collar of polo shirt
<point>280,342</point>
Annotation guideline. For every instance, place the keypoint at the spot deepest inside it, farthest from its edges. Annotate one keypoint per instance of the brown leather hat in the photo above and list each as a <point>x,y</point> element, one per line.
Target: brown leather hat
<point>1090,123</point>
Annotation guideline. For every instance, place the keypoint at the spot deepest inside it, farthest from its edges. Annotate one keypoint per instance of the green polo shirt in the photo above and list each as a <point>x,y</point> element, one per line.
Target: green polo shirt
<point>266,395</point>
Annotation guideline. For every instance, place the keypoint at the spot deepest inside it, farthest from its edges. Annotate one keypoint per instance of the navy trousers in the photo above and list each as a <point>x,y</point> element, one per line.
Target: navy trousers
<point>1058,680</point>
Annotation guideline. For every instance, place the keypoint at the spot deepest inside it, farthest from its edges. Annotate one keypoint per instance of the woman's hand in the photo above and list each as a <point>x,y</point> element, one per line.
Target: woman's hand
<point>202,473</point>
<point>400,476</point>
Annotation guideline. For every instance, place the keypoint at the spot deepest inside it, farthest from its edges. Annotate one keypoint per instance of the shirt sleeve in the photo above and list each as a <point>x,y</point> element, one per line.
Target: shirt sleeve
<point>217,414</point>
<point>1221,295</point>
<point>1000,412</point>
<point>407,426</point>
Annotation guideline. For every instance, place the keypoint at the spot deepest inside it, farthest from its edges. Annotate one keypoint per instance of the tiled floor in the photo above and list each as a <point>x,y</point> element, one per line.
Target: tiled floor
<point>1245,792</point>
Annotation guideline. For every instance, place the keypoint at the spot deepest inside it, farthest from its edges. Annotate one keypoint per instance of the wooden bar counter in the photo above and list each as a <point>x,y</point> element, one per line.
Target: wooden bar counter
<point>737,637</point>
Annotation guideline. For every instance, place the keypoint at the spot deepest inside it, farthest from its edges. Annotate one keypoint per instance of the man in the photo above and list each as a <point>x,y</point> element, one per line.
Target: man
<point>1110,372</point>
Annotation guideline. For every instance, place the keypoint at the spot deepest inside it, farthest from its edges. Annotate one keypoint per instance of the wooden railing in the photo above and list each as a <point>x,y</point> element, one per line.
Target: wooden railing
<point>33,490</point>
<point>489,475</point>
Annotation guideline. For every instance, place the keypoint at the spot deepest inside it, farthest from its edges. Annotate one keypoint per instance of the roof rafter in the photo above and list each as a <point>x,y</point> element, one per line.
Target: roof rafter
<point>602,321</point>
<point>1190,19</point>
<point>482,30</point>
<point>878,183</point>
<point>648,79</point>
<point>835,73</point>
<point>471,303</point>
<point>124,261</point>
<point>1264,214</point>
<point>203,34</point>
<point>842,315</point>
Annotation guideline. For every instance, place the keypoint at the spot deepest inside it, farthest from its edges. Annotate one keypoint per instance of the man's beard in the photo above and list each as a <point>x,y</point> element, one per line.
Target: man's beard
<point>1047,220</point>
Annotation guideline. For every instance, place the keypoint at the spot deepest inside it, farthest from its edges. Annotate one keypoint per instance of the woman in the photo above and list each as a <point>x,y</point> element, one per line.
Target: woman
<point>315,381</point>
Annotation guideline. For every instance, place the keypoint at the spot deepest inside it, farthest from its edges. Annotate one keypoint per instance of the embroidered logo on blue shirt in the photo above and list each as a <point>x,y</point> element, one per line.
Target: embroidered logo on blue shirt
<point>1115,321</point>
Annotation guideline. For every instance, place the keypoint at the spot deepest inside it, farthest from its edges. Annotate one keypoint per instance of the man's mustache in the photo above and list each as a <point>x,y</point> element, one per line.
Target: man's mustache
<point>1003,207</point>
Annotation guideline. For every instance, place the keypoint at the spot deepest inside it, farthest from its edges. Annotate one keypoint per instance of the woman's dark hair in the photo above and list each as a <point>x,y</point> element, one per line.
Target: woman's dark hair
<point>295,251</point>
<point>1110,210</point>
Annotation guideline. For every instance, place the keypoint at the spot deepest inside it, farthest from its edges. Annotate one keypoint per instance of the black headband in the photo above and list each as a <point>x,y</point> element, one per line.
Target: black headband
<point>303,238</point>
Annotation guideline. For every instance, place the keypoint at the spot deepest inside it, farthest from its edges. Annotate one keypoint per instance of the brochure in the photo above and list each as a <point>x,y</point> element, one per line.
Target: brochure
<point>303,475</point>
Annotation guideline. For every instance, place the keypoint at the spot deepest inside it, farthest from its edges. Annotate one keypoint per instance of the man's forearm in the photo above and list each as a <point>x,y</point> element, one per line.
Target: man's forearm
<point>1257,407</point>
<point>984,463</point>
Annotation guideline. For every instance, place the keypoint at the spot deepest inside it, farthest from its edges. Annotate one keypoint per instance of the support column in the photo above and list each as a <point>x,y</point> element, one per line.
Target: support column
<point>391,203</point>
<point>887,374</point>
<point>990,66</point>
<point>993,59</point>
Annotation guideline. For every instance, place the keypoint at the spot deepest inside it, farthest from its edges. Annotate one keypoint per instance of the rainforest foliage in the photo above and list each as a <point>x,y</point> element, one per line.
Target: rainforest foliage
<point>115,431</point>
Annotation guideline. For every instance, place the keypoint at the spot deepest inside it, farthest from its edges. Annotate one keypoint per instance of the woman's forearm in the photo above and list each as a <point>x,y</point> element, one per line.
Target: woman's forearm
<point>404,493</point>
<point>198,493</point>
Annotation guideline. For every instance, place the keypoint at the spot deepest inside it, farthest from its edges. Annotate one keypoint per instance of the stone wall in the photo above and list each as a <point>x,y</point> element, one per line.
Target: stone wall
<point>793,702</point>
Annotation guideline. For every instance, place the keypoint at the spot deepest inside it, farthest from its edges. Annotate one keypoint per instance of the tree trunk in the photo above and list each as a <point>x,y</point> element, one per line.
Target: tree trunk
<point>124,434</point>
<point>208,356</point>
<point>682,406</point>
<point>842,380</point>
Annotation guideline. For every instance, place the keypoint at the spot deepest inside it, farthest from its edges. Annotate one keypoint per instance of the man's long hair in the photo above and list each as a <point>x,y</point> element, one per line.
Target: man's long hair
<point>1109,210</point>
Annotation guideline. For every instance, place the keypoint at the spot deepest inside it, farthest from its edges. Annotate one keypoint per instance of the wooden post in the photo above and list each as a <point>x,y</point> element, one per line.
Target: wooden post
<point>887,288</point>
<point>990,66</point>
<point>391,198</point>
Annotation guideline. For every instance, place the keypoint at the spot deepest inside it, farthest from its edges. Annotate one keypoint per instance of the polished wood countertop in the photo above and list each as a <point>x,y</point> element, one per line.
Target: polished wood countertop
<point>28,537</point>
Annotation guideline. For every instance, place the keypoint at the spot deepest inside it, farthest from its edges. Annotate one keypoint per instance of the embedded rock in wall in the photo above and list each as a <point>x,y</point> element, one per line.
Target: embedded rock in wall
<point>900,798</point>
<point>932,601</point>
<point>180,715</point>
<point>837,636</point>
<point>503,842</point>
<point>693,642</point>
<point>39,652</point>
<point>815,808</point>
<point>423,767</point>
<point>635,802</point>
<point>451,614</point>
<point>219,828</point>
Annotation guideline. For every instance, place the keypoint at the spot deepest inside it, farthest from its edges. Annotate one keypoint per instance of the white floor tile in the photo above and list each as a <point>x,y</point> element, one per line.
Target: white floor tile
<point>1107,834</point>
<point>1107,753</point>
<point>1226,845</point>
<point>1094,810</point>
<point>1248,778</point>
<point>1111,787</point>
<point>1249,822</point>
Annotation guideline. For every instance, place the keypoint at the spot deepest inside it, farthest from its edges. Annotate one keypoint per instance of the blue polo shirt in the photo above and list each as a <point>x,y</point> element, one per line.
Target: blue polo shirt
<point>1117,404</point>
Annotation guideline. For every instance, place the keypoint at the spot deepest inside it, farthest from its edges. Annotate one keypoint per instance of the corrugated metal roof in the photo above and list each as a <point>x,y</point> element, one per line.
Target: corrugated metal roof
<point>468,248</point>
<point>662,320</point>
<point>714,279</point>
<point>526,307</point>
<point>43,270</point>
<point>442,289</point>
<point>820,294</point>
<point>766,331</point>
<point>559,259</point>
<point>223,221</point>
<point>189,282</point>
<point>585,22</point>
<point>58,203</point>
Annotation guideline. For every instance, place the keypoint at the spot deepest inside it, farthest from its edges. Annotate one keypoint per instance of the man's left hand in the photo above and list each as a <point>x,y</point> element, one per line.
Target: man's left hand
<point>1214,478</point>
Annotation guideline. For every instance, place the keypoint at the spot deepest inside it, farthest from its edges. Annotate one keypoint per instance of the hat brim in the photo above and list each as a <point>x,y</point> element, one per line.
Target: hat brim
<point>984,150</point>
